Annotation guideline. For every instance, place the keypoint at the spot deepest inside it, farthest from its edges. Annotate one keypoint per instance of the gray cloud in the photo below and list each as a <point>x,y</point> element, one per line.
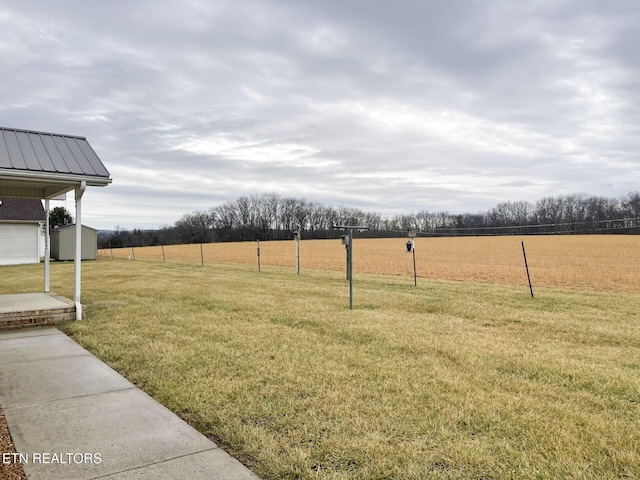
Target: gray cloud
<point>386,106</point>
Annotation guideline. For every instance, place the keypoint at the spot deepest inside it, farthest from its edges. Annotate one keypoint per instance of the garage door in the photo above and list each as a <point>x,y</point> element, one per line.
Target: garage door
<point>19,244</point>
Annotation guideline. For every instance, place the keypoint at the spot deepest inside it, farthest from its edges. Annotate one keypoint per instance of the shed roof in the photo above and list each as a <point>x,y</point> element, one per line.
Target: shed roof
<point>21,210</point>
<point>43,165</point>
<point>73,226</point>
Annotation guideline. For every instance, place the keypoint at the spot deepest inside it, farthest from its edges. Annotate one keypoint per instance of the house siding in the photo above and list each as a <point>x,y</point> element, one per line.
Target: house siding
<point>19,243</point>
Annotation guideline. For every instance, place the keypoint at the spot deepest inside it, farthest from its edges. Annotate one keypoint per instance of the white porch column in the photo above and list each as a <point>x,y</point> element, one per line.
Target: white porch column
<point>78,258</point>
<point>47,240</point>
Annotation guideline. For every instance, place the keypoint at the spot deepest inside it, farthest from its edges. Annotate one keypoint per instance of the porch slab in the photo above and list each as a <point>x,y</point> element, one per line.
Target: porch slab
<point>20,302</point>
<point>34,309</point>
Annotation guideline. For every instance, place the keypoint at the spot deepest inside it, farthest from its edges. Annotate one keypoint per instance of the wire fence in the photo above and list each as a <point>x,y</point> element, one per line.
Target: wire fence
<point>595,262</point>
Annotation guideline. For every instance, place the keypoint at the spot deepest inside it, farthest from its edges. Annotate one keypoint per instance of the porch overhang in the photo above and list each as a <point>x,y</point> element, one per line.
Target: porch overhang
<point>46,186</point>
<point>45,166</point>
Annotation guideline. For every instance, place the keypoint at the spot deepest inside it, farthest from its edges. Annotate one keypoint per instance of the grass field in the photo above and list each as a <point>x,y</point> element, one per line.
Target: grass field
<point>449,380</point>
<point>598,262</point>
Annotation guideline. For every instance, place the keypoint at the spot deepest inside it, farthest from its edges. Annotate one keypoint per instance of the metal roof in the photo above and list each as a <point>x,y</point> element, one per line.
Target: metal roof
<point>42,165</point>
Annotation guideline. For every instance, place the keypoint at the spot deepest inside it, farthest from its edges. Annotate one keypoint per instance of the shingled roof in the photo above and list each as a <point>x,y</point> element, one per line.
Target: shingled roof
<point>21,210</point>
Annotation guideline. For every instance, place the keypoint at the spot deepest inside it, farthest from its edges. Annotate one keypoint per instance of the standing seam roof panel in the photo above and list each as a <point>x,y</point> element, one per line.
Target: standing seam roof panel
<point>79,155</point>
<point>59,165</point>
<point>15,154</point>
<point>28,153</point>
<point>67,154</point>
<point>5,160</point>
<point>93,158</point>
<point>65,151</point>
<point>41,152</point>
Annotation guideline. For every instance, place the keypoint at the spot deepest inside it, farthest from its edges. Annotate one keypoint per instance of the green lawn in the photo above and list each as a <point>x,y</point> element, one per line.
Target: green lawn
<point>444,380</point>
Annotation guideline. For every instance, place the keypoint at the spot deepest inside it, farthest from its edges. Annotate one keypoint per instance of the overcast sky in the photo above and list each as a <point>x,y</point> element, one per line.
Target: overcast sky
<point>388,106</point>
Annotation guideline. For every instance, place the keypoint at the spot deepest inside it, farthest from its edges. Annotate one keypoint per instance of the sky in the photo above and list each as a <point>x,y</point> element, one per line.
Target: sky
<point>388,106</point>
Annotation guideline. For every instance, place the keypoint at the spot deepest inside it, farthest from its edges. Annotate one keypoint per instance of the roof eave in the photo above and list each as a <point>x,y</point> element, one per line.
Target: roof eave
<point>47,185</point>
<point>53,178</point>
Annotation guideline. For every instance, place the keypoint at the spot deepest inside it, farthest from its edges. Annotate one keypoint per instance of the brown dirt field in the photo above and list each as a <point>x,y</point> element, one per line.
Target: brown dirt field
<point>597,262</point>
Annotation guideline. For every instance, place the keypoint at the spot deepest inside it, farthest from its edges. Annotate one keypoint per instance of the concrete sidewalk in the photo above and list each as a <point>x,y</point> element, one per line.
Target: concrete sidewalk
<point>73,417</point>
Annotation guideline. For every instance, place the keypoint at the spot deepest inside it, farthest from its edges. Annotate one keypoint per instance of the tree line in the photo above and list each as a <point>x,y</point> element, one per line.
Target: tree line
<point>275,217</point>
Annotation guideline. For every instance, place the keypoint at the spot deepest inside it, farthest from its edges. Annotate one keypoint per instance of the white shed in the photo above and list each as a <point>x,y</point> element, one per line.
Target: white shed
<point>21,222</point>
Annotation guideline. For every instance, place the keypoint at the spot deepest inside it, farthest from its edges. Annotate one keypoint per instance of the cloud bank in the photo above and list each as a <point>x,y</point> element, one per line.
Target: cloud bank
<point>390,107</point>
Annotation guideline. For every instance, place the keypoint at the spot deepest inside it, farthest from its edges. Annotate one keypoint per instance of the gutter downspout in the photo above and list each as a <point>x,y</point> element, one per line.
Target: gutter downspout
<point>78,258</point>
<point>47,246</point>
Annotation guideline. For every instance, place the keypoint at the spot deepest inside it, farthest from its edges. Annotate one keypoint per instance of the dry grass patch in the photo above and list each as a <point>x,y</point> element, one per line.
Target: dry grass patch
<point>447,380</point>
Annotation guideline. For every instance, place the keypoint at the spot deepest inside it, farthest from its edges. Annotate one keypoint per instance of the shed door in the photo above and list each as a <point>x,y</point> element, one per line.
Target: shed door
<point>19,244</point>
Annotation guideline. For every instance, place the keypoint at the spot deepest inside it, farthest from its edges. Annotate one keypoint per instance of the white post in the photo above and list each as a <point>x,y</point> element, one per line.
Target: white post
<point>78,257</point>
<point>47,244</point>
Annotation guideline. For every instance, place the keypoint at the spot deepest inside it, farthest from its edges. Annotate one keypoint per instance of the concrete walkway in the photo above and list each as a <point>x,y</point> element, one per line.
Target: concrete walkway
<point>73,417</point>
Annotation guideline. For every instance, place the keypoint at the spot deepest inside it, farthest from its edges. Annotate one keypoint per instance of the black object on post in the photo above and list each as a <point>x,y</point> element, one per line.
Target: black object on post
<point>411,249</point>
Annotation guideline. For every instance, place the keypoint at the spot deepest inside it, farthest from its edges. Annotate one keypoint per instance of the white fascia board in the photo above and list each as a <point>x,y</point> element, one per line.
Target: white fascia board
<point>52,178</point>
